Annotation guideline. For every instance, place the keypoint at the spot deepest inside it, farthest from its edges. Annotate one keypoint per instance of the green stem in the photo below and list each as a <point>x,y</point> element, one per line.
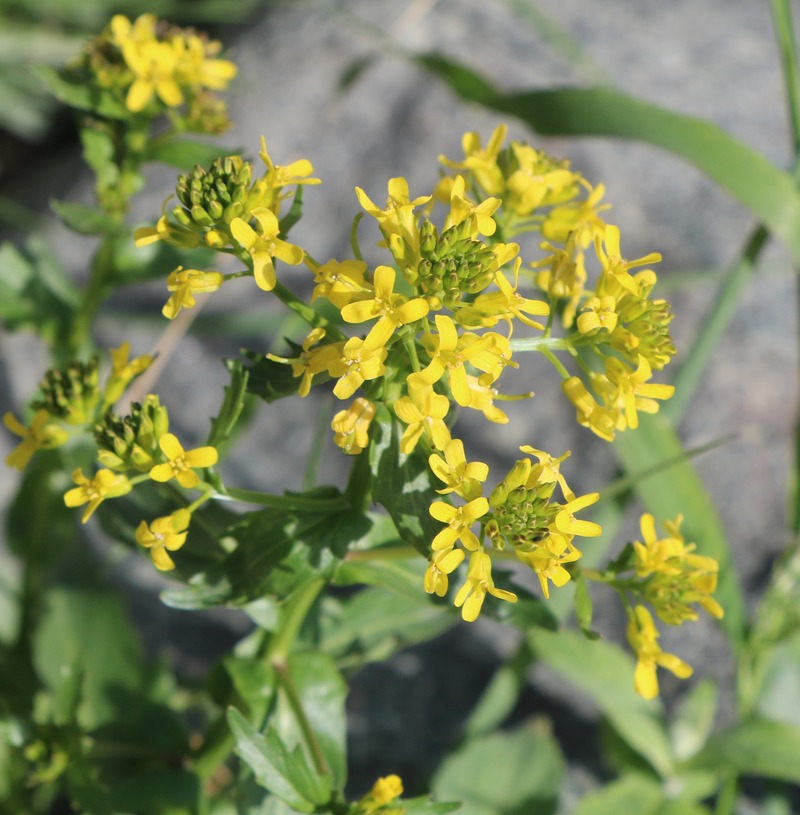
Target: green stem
<point>296,704</point>
<point>306,312</point>
<point>93,296</point>
<point>293,614</point>
<point>542,344</point>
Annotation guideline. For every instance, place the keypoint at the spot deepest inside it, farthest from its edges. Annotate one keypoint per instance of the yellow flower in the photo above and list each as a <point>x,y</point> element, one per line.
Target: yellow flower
<point>598,313</point>
<point>356,365</point>
<point>628,391</point>
<point>506,304</point>
<point>479,216</point>
<point>105,484</point>
<point>392,310</point>
<point>398,218</point>
<point>448,355</point>
<point>481,397</point>
<point>123,371</point>
<point>443,563</point>
<point>481,162</point>
<point>424,411</point>
<point>164,230</point>
<point>162,534</point>
<point>180,462</point>
<point>538,180</point>
<point>383,792</point>
<point>547,561</point>
<point>265,245</point>
<point>312,361</point>
<point>643,639</point>
<point>41,435</point>
<point>458,520</point>
<point>351,426</point>
<point>580,219</point>
<point>460,476</point>
<point>153,65</point>
<point>598,419</point>
<point>196,69</point>
<point>278,176</point>
<point>184,284</point>
<point>340,282</point>
<point>479,583</point>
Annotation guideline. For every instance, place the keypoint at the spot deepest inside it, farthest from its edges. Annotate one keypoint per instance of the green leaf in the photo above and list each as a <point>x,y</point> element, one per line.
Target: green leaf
<point>35,291</point>
<point>321,692</point>
<point>506,773</point>
<point>224,424</point>
<point>400,574</point>
<point>271,380</point>
<point>583,605</point>
<point>424,806</point>
<point>631,793</point>
<point>98,152</point>
<point>402,484</point>
<point>757,747</point>
<point>604,672</point>
<point>83,219</point>
<point>692,725</point>
<point>779,694</point>
<point>71,89</point>
<point>679,490</point>
<point>374,623</point>
<point>83,649</point>
<point>184,154</point>
<point>276,552</point>
<point>285,774</point>
<point>743,172</point>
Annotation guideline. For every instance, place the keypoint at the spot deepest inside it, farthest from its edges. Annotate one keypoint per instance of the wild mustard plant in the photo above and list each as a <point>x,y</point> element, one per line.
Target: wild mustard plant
<point>510,253</point>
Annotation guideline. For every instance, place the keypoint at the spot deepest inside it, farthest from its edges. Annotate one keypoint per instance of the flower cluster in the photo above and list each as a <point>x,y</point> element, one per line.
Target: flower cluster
<point>668,575</point>
<point>148,67</point>
<point>436,328</point>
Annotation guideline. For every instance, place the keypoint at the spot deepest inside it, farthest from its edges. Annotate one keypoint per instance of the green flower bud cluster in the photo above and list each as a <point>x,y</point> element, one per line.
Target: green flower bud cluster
<point>646,322</point>
<point>131,442</point>
<point>71,394</point>
<point>452,264</point>
<point>214,197</point>
<point>520,516</point>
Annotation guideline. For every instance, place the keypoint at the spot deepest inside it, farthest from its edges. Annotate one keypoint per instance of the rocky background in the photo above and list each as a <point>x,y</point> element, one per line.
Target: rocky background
<point>711,58</point>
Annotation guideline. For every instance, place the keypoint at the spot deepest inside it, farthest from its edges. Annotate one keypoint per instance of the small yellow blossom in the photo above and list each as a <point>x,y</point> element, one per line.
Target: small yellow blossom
<point>153,65</point>
<point>398,218</point>
<point>481,397</point>
<point>265,245</point>
<point>460,476</point>
<point>162,534</point>
<point>165,230</point>
<point>312,361</point>
<point>643,638</point>
<point>356,365</point>
<point>180,462</point>
<point>481,162</point>
<point>448,354</point>
<point>278,176</point>
<point>351,426</point>
<point>383,792</point>
<point>580,220</point>
<point>105,484</point>
<point>479,215</point>
<point>424,411</point>
<point>184,284</point>
<point>547,560</point>
<point>479,583</point>
<point>597,314</point>
<point>41,435</point>
<point>340,282</point>
<point>458,520</point>
<point>392,310</point>
<point>442,563</point>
